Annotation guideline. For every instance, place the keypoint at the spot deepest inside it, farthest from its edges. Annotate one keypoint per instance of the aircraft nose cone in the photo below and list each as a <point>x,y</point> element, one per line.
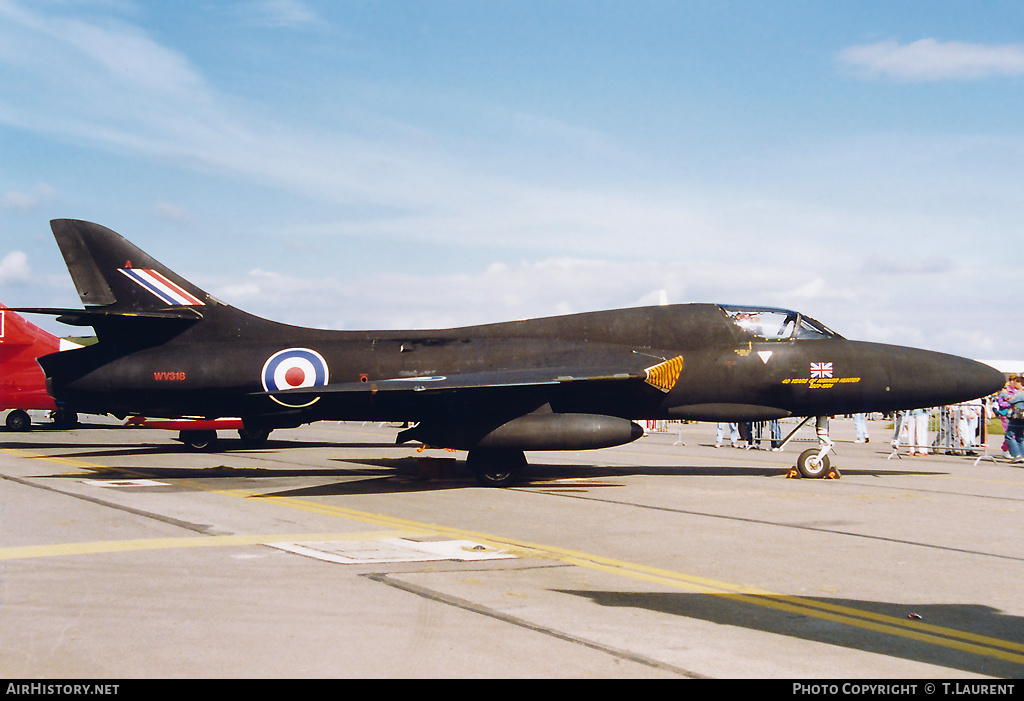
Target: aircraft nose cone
<point>925,378</point>
<point>978,379</point>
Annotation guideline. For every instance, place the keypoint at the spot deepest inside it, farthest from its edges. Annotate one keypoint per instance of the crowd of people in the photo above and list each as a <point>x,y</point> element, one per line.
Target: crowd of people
<point>958,426</point>
<point>749,435</point>
<point>1009,407</point>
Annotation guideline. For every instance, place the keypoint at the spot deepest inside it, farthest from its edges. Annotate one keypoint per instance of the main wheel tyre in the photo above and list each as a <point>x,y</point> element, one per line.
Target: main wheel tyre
<point>254,436</point>
<point>19,420</point>
<point>199,440</point>
<point>62,418</point>
<point>496,468</point>
<point>810,465</point>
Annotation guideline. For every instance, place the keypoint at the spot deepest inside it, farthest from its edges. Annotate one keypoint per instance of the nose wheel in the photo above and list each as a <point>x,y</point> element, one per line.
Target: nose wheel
<point>814,463</point>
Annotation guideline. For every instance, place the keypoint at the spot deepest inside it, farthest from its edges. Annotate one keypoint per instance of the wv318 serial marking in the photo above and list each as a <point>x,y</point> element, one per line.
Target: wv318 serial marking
<point>168,349</point>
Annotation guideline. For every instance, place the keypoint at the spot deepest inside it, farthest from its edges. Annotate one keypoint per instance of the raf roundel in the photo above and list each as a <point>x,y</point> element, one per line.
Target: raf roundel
<point>294,368</point>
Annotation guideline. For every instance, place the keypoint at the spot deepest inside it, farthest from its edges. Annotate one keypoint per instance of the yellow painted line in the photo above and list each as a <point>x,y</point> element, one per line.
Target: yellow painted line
<point>956,478</point>
<point>102,547</point>
<point>915,630</point>
<point>910,629</point>
<point>915,625</point>
<point>70,462</point>
<point>696,461</point>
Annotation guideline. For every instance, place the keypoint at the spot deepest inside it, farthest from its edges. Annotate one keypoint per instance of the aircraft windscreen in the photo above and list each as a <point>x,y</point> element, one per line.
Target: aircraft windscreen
<point>777,324</point>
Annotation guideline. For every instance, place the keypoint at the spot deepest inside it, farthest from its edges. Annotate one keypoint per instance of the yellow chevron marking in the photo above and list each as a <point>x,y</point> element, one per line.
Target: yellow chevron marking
<point>664,375</point>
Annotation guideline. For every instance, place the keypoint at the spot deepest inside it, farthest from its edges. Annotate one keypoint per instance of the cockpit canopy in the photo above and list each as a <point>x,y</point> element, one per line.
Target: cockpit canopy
<point>777,324</point>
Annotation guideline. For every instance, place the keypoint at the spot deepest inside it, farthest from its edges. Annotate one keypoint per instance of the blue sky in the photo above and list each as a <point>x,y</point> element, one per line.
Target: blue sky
<point>375,164</point>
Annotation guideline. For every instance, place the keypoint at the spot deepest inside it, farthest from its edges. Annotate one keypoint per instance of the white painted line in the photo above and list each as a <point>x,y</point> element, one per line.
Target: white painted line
<point>125,483</point>
<point>364,552</point>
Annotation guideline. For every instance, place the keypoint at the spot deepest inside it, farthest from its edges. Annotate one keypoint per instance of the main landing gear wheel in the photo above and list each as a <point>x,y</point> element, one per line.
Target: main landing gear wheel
<point>63,418</point>
<point>204,441</point>
<point>496,468</point>
<point>812,464</point>
<point>254,436</point>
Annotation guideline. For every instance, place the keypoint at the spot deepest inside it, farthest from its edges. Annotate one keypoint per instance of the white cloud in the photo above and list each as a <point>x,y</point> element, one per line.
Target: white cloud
<point>108,83</point>
<point>929,60</point>
<point>23,201</point>
<point>112,85</point>
<point>172,212</point>
<point>948,313</point>
<point>14,269</point>
<point>936,265</point>
<point>278,13</point>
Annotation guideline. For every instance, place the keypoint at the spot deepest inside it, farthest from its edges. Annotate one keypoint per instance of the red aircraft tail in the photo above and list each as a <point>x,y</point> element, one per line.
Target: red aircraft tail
<point>22,385</point>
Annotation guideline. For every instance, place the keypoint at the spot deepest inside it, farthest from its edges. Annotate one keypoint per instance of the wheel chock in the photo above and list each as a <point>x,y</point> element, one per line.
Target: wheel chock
<point>430,447</point>
<point>794,473</point>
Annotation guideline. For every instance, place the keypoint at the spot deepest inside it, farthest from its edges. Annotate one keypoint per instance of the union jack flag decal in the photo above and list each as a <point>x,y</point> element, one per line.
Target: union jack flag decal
<point>821,370</point>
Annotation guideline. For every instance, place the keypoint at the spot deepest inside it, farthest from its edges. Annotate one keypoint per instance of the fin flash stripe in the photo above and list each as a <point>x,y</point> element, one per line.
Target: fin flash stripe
<point>664,375</point>
<point>160,287</point>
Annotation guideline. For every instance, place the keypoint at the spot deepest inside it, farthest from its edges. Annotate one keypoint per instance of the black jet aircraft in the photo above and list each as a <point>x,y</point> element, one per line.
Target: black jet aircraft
<point>168,349</point>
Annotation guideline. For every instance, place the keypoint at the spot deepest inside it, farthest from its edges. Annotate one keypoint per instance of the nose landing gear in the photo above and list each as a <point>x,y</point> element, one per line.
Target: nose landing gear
<point>814,463</point>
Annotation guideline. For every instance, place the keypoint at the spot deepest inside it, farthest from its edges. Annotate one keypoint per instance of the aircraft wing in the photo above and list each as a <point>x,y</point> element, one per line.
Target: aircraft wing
<point>464,381</point>
<point>662,376</point>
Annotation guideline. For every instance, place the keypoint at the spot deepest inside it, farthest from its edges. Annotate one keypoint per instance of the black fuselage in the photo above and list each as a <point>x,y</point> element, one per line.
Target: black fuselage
<point>217,366</point>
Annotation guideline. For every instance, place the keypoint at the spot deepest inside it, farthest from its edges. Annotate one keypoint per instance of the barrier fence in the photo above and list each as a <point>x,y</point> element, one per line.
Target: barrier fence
<point>959,429</point>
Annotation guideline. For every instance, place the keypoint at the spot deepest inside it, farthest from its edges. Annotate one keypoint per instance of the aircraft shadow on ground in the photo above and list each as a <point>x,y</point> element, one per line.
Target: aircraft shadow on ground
<point>407,474</point>
<point>172,447</point>
<point>216,472</point>
<point>991,654</point>
<point>54,428</point>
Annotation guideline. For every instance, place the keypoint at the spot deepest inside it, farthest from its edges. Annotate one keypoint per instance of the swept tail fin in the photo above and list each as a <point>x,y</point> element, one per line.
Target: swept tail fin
<point>126,292</point>
<point>130,298</point>
<point>111,273</point>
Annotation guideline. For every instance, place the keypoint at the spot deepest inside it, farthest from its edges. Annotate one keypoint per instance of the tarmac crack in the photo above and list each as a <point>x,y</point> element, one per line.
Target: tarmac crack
<point>194,527</point>
<point>466,605</point>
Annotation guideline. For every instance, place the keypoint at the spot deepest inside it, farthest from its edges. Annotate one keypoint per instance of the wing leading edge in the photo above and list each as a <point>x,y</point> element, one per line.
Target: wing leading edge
<point>662,376</point>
